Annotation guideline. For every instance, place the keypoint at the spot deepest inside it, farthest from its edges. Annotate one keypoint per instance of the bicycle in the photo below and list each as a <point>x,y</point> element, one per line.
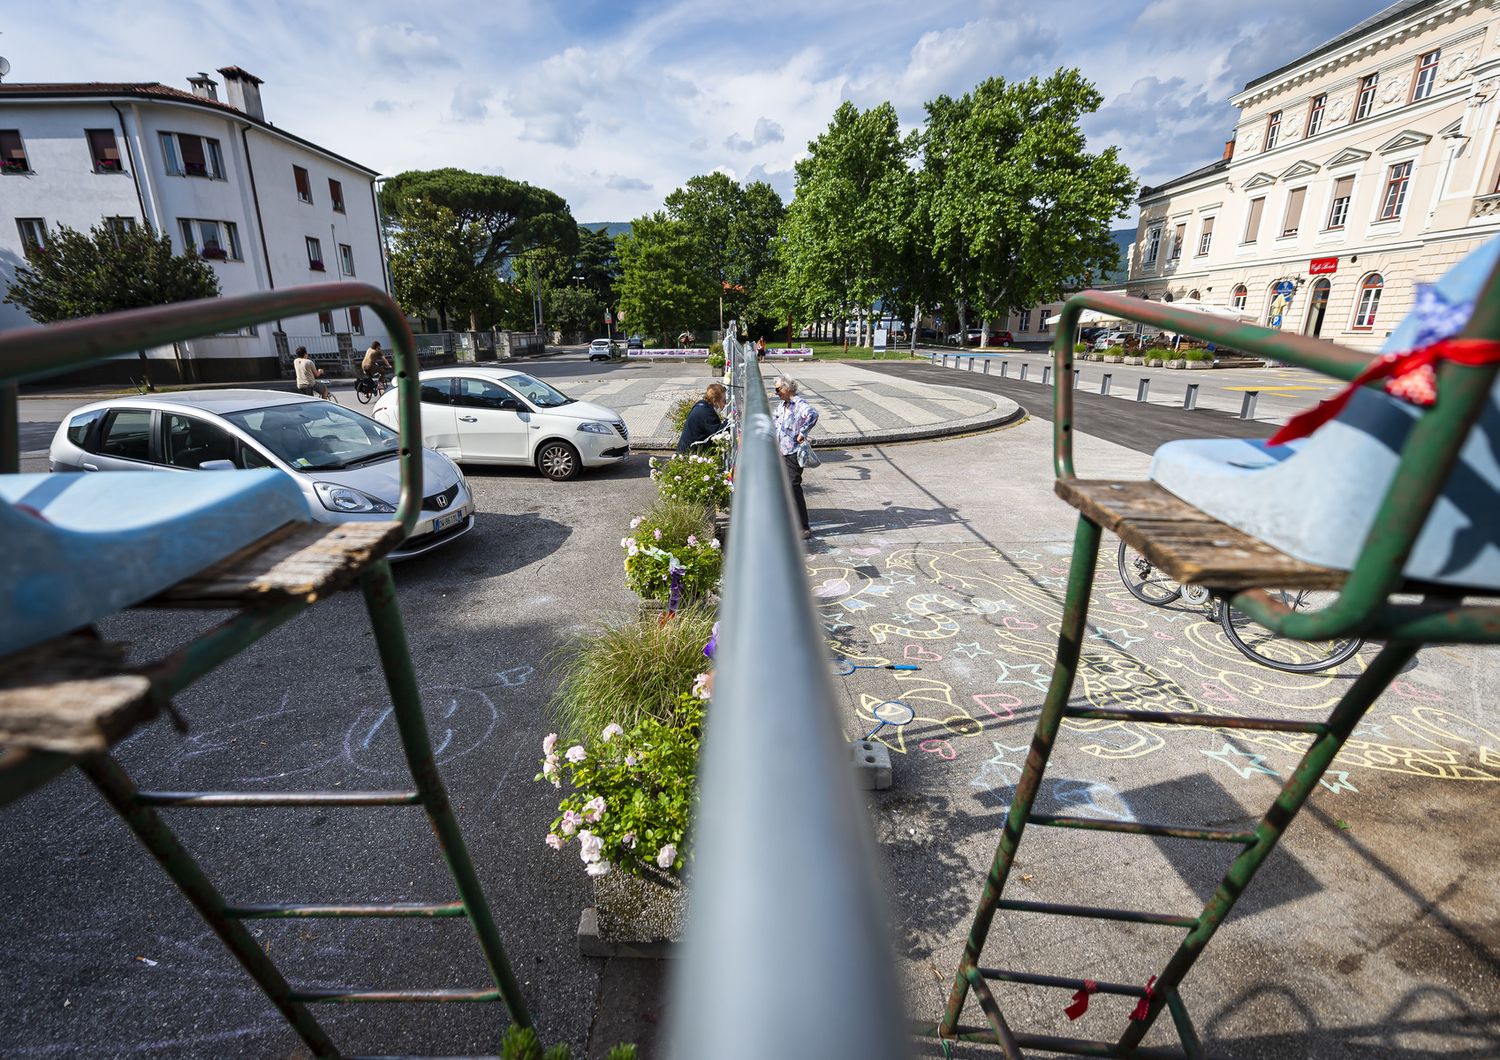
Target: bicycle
<point>368,388</point>
<point>1253,640</point>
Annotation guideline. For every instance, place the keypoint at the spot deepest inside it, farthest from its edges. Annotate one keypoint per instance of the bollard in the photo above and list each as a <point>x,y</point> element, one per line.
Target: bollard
<point>1247,406</point>
<point>1142,389</point>
<point>1046,375</point>
<point>986,366</point>
<point>1024,366</point>
<point>1076,373</point>
<point>1104,386</point>
<point>971,365</point>
<point>1190,397</point>
<point>1004,369</point>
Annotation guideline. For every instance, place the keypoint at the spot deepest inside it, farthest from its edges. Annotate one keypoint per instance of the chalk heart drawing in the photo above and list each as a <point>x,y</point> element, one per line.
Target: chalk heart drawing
<point>459,720</point>
<point>832,587</point>
<point>864,551</point>
<point>916,651</point>
<point>1012,622</point>
<point>1000,705</point>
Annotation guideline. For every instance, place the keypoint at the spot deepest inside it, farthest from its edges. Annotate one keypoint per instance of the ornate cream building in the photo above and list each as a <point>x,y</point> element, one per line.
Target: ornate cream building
<point>1361,169</point>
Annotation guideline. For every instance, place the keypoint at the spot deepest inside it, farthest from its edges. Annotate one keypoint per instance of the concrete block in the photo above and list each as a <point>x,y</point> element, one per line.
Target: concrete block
<point>592,944</point>
<point>872,764</point>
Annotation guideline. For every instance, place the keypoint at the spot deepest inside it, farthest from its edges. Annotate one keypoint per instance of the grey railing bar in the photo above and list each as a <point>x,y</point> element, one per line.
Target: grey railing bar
<point>786,951</point>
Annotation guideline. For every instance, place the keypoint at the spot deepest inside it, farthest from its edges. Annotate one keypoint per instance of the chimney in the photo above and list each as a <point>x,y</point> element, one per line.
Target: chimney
<point>242,91</point>
<point>1228,148</point>
<point>204,87</point>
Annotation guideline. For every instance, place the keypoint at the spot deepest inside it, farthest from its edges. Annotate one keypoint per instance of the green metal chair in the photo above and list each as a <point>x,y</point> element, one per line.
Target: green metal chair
<point>65,702</point>
<point>1190,546</point>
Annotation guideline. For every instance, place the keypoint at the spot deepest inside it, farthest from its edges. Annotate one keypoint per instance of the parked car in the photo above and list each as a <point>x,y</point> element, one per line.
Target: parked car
<point>1110,338</point>
<point>635,342</point>
<point>344,461</point>
<point>484,414</point>
<point>973,336</point>
<point>928,335</point>
<point>600,350</point>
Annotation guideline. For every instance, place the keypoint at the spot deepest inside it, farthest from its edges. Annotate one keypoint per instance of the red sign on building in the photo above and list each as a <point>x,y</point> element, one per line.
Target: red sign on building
<point>1319,266</point>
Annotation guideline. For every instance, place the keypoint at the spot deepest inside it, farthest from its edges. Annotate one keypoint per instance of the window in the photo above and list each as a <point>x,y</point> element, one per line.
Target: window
<point>325,323</point>
<point>1338,211</point>
<point>1273,129</point>
<point>1178,235</point>
<point>13,152</point>
<point>1042,312</point>
<point>1206,236</point>
<point>104,150</point>
<point>346,259</point>
<point>1025,324</point>
<point>239,333</point>
<point>216,240</point>
<point>1369,301</point>
<point>356,320</point>
<point>479,394</point>
<point>1315,114</point>
<point>120,226</point>
<point>1394,199</point>
<point>187,155</point>
<point>81,425</point>
<point>1293,219</point>
<point>1366,100</point>
<point>437,392</point>
<point>1426,77</point>
<point>127,434</point>
<point>1153,247</point>
<point>190,442</point>
<point>33,234</point>
<point>314,254</point>
<point>304,186</point>
<point>336,196</point>
<point>1241,292</point>
<point>1252,223</point>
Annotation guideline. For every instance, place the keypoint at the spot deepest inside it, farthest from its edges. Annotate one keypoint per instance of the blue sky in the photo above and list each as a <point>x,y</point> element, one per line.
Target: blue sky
<point>614,104</point>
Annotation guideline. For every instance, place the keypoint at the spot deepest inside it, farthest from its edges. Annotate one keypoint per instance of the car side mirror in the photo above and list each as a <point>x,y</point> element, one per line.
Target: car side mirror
<point>510,405</point>
<point>218,465</point>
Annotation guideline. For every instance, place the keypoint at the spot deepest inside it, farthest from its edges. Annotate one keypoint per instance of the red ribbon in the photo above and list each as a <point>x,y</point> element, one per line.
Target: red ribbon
<point>1411,376</point>
<point>1080,1003</point>
<point>1143,1006</point>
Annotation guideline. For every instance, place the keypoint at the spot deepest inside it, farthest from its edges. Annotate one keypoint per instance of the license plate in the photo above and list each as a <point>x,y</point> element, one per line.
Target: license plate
<point>442,522</point>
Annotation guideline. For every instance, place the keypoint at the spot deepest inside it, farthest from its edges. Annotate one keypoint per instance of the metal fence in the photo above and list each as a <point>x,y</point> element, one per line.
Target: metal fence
<point>786,951</point>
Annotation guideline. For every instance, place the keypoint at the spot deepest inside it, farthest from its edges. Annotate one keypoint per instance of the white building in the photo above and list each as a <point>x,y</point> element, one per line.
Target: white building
<point>1358,170</point>
<point>267,208</point>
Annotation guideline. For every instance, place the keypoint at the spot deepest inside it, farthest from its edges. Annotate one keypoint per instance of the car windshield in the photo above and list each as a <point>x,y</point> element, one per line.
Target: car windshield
<point>537,392</point>
<point>318,435</point>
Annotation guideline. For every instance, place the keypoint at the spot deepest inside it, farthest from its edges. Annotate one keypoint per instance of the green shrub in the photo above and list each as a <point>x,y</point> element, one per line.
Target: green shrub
<point>1196,355</point>
<point>1080,347</point>
<point>633,791</point>
<point>679,413</point>
<point>1159,353</point>
<point>692,478</point>
<point>520,1043</point>
<point>632,670</point>
<point>676,533</point>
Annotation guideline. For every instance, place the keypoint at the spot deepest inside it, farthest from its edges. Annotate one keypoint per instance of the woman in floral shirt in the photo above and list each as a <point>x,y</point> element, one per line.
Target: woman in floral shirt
<point>794,421</point>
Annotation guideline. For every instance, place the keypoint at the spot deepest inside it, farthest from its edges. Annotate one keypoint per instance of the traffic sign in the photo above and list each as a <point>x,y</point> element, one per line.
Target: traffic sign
<point>1285,288</point>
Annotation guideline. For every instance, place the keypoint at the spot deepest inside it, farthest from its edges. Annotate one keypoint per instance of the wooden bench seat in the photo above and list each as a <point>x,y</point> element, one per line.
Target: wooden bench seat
<point>1187,545</point>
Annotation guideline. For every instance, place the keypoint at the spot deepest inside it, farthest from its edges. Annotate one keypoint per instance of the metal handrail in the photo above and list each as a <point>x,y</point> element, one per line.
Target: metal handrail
<point>34,353</point>
<point>1427,458</point>
<point>786,951</point>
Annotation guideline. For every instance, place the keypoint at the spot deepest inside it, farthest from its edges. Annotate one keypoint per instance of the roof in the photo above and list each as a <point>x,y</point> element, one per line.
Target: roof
<point>156,90</point>
<point>239,73</point>
<point>219,402</point>
<point>1379,20</point>
<point>1204,171</point>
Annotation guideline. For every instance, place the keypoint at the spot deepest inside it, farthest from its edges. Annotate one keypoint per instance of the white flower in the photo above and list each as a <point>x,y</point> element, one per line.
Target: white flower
<point>701,685</point>
<point>628,839</point>
<point>554,841</point>
<point>624,542</point>
<point>666,855</point>
<point>631,546</point>
<point>636,521</point>
<point>590,846</point>
<point>610,732</point>
<point>714,543</point>
<point>549,768</point>
<point>692,540</point>
<point>570,822</point>
<point>630,760</point>
<point>594,808</point>
<point>656,534</point>
<point>597,868</point>
<point>576,753</point>
<point>549,742</point>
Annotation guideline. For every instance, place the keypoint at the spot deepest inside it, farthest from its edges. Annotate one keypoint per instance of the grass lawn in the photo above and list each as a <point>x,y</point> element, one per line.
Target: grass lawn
<point>827,350</point>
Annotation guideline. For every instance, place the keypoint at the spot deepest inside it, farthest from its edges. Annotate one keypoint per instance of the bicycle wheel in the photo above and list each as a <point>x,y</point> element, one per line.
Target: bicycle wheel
<point>1281,653</point>
<point>1145,582</point>
<point>365,392</point>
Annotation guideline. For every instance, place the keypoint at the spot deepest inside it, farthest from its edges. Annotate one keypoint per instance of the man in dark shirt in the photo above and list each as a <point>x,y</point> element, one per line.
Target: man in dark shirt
<point>703,420</point>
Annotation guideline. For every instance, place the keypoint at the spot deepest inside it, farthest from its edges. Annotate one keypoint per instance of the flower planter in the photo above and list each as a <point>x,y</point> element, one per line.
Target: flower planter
<point>1155,362</point>
<point>1176,364</point>
<point>1135,360</point>
<point>1113,358</point>
<point>1197,364</point>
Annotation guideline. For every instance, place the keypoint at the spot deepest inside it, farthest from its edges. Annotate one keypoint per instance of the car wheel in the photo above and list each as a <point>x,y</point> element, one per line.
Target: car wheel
<point>558,461</point>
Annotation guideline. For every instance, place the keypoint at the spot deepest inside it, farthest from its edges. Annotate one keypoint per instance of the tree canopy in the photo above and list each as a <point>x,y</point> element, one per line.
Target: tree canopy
<point>432,263</point>
<point>662,288</point>
<point>504,216</point>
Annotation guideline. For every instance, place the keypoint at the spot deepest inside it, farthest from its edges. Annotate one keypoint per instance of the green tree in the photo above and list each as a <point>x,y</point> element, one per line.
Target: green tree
<point>106,270</point>
<point>733,233</point>
<point>596,266</point>
<point>662,290</point>
<point>1019,210</point>
<point>575,309</point>
<point>432,263</point>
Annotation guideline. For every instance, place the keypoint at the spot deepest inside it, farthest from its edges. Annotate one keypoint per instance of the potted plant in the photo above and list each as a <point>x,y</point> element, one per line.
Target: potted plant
<point>672,555</point>
<point>692,478</point>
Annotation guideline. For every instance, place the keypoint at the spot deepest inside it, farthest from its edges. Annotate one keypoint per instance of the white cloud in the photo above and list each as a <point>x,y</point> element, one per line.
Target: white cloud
<point>397,47</point>
<point>469,102</point>
<point>766,132</point>
<point>619,183</point>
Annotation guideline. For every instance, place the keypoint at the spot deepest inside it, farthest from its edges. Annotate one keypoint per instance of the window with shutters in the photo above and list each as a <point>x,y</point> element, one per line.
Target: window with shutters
<point>346,259</point>
<point>1206,236</point>
<point>1179,234</point>
<point>215,240</point>
<point>304,184</point>
<point>1293,219</point>
<point>1252,223</point>
<point>1153,247</point>
<point>356,320</point>
<point>13,152</point>
<point>1426,78</point>
<point>315,255</point>
<point>104,151</point>
<point>1394,199</point>
<point>336,196</point>
<point>1366,101</point>
<point>1273,130</point>
<point>189,155</point>
<point>1338,210</point>
<point>1315,114</point>
<point>325,323</point>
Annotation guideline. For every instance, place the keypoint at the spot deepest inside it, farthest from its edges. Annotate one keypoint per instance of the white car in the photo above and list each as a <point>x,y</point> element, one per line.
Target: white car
<point>1110,338</point>
<point>601,350</point>
<point>344,462</point>
<point>483,414</point>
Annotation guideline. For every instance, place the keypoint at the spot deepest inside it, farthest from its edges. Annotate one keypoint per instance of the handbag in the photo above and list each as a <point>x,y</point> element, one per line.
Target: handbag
<point>806,457</point>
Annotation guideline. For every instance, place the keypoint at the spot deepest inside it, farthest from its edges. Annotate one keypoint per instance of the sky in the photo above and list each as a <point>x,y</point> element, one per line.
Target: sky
<point>614,103</point>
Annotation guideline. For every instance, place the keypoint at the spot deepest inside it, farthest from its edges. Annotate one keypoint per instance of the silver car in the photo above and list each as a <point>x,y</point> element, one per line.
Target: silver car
<point>344,462</point>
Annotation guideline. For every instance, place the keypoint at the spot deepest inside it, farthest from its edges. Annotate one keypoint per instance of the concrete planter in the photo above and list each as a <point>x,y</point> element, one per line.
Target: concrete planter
<point>1155,362</point>
<point>1135,360</point>
<point>1176,364</point>
<point>1113,358</point>
<point>633,916</point>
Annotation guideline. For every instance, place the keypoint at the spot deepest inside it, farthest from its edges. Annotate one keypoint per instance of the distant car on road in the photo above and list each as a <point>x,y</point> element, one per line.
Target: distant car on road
<point>600,350</point>
<point>635,342</point>
<point>485,414</point>
<point>344,462</point>
<point>1110,338</point>
<point>973,336</point>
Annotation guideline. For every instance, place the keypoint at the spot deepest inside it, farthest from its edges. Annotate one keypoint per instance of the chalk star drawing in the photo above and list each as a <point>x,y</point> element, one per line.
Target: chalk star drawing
<point>971,651</point>
<point>854,605</point>
<point>992,772</point>
<point>1118,637</point>
<point>904,617</point>
<point>1052,583</point>
<point>1023,554</point>
<point>1340,783</point>
<point>1037,680</point>
<point>1249,763</point>
<point>835,626</point>
<point>877,590</point>
<point>1376,729</point>
<point>901,579</point>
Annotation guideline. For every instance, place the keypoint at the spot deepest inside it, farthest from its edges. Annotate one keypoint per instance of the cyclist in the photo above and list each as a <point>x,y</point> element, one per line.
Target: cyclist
<point>309,375</point>
<point>375,365</point>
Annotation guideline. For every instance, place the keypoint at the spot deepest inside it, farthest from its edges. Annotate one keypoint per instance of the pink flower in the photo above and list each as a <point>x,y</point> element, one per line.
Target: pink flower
<point>635,522</point>
<point>554,841</point>
<point>576,753</point>
<point>667,855</point>
<point>570,823</point>
<point>594,808</point>
<point>692,540</point>
<point>656,534</point>
<point>590,846</point>
<point>549,770</point>
<point>630,760</point>
<point>549,743</point>
<point>628,839</point>
<point>703,686</point>
<point>610,732</point>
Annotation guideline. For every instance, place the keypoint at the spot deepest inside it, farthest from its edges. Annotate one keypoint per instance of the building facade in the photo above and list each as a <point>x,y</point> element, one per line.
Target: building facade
<point>1363,168</point>
<point>267,209</point>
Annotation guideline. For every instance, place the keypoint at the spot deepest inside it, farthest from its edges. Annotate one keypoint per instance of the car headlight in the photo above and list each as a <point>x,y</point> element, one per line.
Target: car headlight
<point>592,427</point>
<point>343,499</point>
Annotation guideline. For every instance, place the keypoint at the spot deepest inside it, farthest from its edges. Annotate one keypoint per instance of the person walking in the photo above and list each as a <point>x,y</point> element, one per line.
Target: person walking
<point>794,421</point>
<point>309,375</point>
<point>703,420</point>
